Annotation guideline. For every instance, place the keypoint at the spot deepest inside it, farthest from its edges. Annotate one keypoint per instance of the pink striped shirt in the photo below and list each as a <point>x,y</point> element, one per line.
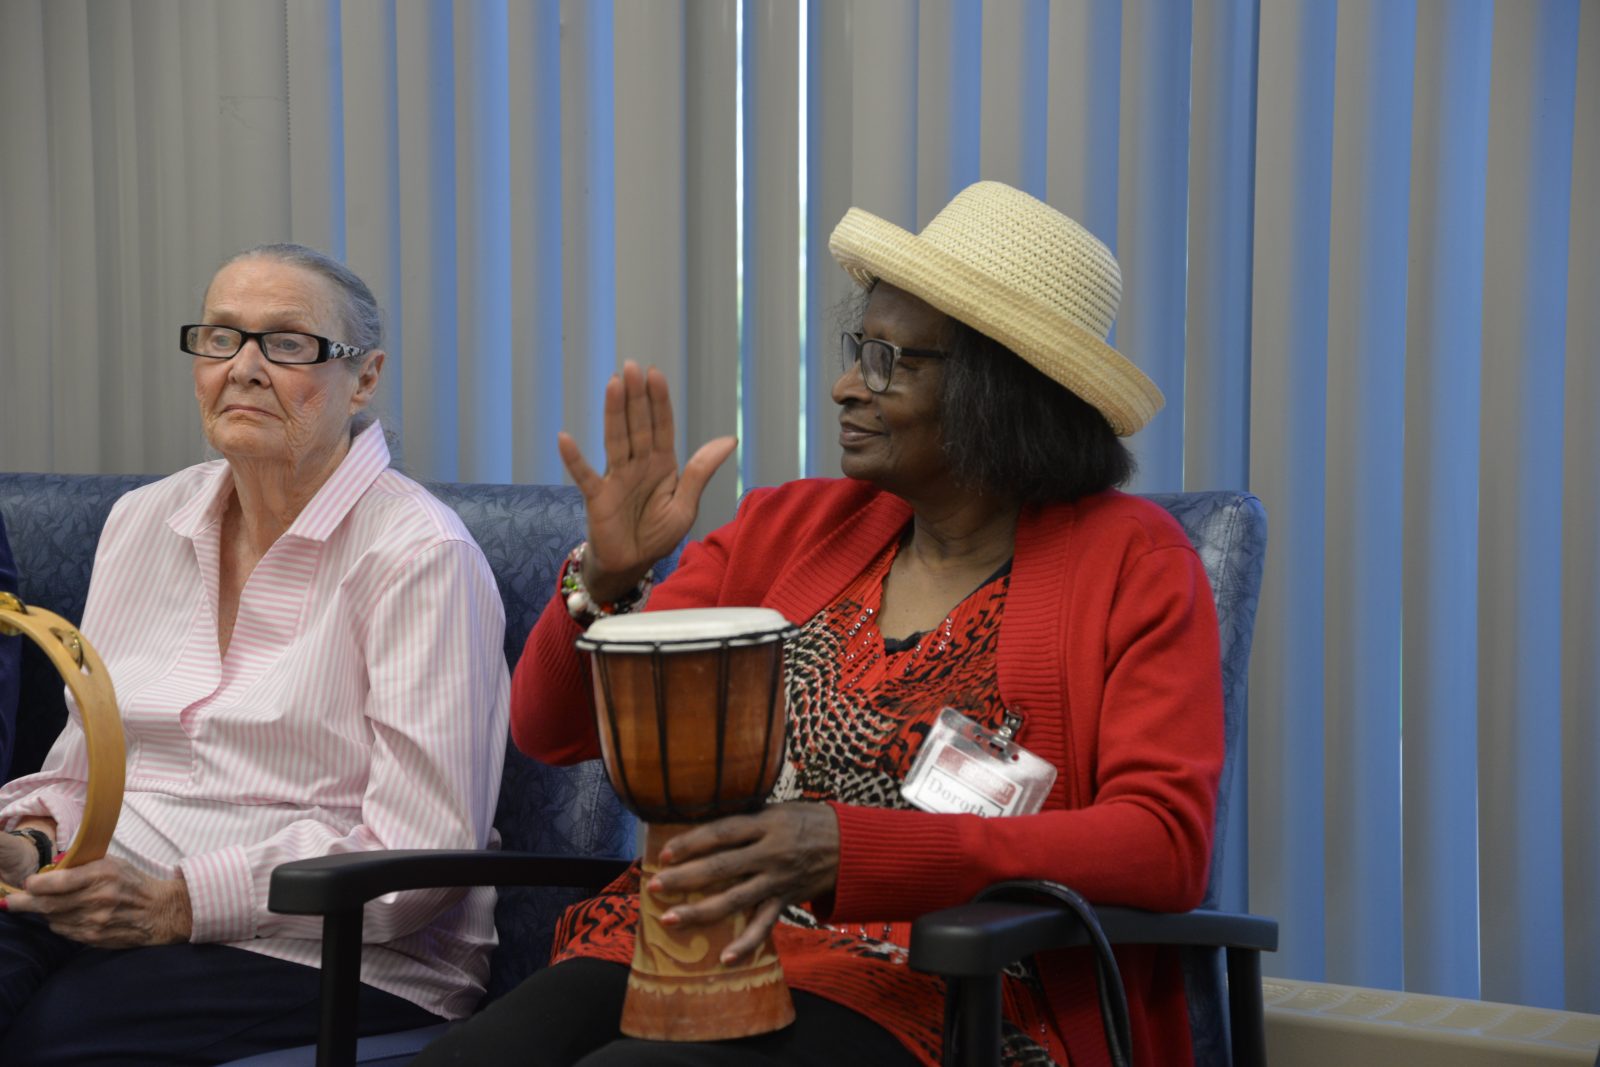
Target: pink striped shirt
<point>361,705</point>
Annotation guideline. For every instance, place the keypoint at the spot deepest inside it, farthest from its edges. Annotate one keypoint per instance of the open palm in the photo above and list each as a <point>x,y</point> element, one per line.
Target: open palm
<point>642,506</point>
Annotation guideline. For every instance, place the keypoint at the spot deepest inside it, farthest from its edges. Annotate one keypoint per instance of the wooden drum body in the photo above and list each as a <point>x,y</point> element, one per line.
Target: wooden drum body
<point>691,717</point>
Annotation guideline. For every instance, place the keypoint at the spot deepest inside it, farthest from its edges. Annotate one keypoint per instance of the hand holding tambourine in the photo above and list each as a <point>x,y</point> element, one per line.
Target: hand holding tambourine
<point>87,678</point>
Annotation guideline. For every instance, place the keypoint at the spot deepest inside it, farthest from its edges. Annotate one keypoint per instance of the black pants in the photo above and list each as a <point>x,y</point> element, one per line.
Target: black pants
<point>568,1014</point>
<point>164,1006</point>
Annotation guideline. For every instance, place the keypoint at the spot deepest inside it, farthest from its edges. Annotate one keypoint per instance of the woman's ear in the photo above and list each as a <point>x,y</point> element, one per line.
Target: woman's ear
<point>367,382</point>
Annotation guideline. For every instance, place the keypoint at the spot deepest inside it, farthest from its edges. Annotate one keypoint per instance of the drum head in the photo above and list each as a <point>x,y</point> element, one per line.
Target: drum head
<point>685,630</point>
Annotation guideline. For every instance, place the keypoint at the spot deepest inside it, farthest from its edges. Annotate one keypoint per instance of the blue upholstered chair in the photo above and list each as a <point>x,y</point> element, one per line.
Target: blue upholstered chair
<point>568,813</point>
<point>970,945</point>
<point>563,827</point>
<point>10,656</point>
<point>563,832</point>
<point>53,521</point>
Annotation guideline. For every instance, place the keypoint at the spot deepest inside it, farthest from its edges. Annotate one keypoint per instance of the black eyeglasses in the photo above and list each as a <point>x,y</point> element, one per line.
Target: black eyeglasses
<point>278,346</point>
<point>877,358</point>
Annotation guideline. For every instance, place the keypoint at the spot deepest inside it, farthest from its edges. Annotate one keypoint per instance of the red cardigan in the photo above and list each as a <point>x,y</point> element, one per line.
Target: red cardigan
<point>1108,648</point>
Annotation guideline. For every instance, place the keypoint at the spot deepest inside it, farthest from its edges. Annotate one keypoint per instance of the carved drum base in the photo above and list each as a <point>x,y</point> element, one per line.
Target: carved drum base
<point>678,990</point>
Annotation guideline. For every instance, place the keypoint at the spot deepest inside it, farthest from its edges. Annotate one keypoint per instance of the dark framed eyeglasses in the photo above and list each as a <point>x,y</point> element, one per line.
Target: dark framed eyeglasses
<point>278,346</point>
<point>877,358</point>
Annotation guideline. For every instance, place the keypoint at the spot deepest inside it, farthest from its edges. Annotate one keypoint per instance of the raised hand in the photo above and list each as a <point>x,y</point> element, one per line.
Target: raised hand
<point>785,854</point>
<point>642,506</point>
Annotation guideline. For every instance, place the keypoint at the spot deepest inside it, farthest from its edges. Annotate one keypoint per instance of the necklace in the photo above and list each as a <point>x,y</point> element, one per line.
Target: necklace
<point>864,645</point>
<point>933,650</point>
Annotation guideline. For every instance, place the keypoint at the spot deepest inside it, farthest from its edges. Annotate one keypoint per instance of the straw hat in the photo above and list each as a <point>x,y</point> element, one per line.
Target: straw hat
<point>1021,272</point>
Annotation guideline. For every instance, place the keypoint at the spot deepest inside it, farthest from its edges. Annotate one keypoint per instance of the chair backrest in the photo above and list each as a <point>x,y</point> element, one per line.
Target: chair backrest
<point>525,531</point>
<point>1229,531</point>
<point>54,523</point>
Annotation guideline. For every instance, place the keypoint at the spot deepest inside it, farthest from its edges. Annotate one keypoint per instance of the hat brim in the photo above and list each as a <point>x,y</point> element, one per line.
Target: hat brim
<point>870,248</point>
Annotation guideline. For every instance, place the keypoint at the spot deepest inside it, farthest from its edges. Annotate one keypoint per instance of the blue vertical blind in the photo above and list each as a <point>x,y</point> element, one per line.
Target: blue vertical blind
<point>1288,468</point>
<point>1359,258</point>
<point>1444,351</point>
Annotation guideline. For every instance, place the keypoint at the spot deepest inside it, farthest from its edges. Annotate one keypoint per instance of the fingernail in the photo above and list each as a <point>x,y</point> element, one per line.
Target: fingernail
<point>655,885</point>
<point>664,857</point>
<point>59,857</point>
<point>727,958</point>
<point>4,906</point>
<point>670,919</point>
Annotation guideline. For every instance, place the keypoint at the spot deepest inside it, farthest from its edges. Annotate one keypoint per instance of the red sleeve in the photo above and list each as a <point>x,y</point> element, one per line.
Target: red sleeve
<point>1145,840</point>
<point>552,713</point>
<point>552,707</point>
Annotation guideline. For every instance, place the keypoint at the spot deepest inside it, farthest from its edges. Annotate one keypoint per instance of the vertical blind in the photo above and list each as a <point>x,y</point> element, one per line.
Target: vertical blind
<point>1359,258</point>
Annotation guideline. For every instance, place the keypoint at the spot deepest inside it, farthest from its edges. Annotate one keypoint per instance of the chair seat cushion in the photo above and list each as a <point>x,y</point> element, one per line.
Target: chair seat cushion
<point>381,1050</point>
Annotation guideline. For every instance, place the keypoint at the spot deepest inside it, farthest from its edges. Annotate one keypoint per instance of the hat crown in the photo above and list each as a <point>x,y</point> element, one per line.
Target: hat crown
<point>1032,248</point>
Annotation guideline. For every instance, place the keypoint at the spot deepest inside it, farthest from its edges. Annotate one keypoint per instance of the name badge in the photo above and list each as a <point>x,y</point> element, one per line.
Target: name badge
<point>968,770</point>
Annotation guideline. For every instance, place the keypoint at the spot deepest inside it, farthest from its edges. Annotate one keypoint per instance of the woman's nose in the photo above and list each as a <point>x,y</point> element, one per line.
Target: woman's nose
<point>248,364</point>
<point>849,386</point>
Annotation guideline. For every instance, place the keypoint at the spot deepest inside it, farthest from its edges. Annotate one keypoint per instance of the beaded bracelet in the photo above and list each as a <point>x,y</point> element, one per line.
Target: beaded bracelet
<point>584,608</point>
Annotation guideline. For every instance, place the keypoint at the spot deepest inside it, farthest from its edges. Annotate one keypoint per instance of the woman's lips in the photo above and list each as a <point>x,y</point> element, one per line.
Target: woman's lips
<point>854,435</point>
<point>245,409</point>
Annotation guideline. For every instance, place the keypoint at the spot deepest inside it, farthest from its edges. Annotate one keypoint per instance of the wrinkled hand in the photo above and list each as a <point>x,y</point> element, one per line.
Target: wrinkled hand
<point>786,854</point>
<point>18,858</point>
<point>641,507</point>
<point>108,904</point>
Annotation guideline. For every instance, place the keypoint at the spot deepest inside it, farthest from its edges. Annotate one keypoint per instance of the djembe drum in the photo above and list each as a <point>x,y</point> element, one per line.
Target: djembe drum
<point>90,684</point>
<point>691,716</point>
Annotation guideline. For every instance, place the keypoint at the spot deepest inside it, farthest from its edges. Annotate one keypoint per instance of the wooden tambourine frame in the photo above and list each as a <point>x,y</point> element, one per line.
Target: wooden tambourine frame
<point>90,684</point>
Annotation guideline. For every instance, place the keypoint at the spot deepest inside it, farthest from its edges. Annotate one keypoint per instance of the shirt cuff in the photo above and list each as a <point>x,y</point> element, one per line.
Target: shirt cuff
<point>222,896</point>
<point>65,812</point>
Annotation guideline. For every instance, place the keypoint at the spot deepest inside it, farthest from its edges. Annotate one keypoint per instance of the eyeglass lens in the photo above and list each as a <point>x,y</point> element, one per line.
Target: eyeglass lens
<point>220,342</point>
<point>877,360</point>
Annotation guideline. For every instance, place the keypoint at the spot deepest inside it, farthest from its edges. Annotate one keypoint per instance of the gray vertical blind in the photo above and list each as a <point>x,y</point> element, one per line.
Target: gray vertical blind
<point>1359,257</point>
<point>1580,534</point>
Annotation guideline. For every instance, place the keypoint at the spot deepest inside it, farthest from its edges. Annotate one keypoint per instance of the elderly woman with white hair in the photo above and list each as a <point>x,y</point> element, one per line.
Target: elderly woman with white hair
<point>306,649</point>
<point>976,560</point>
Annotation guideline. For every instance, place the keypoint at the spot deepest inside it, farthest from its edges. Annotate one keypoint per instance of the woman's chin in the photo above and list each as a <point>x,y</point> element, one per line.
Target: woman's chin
<point>871,473</point>
<point>857,467</point>
<point>246,442</point>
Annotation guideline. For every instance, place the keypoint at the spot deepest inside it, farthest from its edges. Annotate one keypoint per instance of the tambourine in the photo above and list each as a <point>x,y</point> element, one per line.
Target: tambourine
<point>90,684</point>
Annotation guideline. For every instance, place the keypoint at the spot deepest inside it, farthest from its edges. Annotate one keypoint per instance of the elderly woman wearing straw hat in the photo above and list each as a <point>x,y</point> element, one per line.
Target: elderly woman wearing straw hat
<point>976,557</point>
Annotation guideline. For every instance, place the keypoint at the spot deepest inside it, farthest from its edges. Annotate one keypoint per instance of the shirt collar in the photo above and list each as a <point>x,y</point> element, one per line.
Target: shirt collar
<point>367,458</point>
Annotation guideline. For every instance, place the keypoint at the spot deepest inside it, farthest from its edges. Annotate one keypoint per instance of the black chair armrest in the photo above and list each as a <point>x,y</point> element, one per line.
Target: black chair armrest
<point>970,945</point>
<point>976,939</point>
<point>336,887</point>
<point>329,884</point>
